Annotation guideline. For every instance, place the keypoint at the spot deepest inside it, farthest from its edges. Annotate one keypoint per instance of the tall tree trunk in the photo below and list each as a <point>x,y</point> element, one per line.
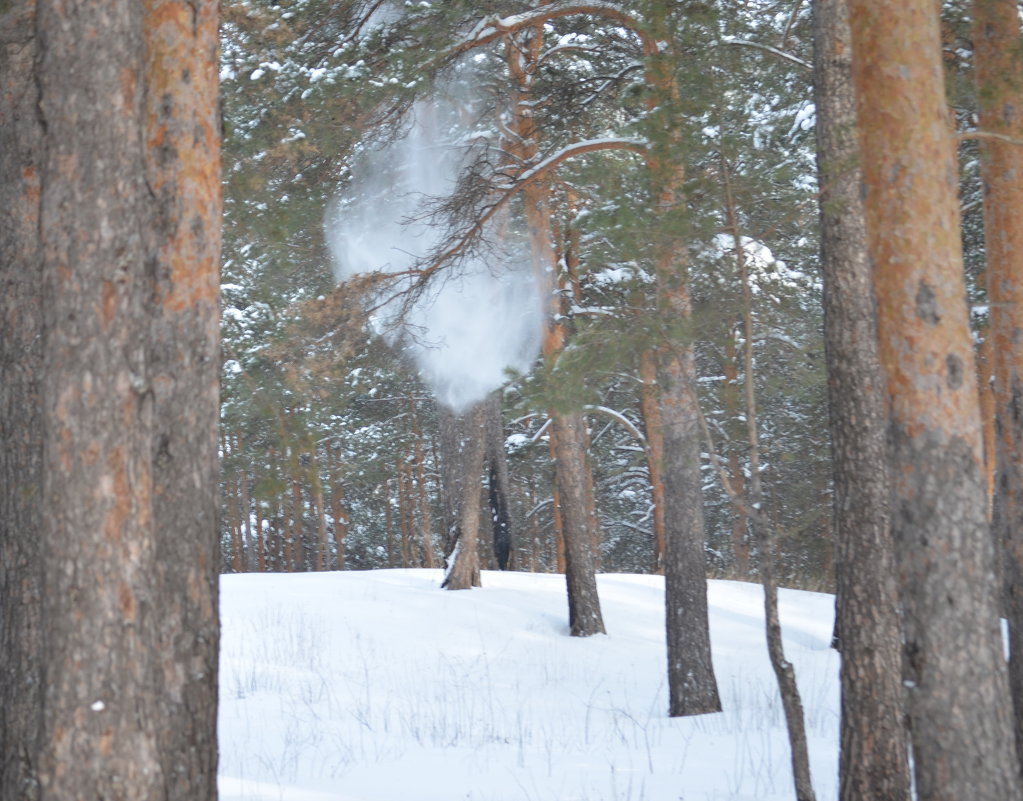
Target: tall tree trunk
<point>692,687</point>
<point>568,428</point>
<point>873,759</point>
<point>961,727</point>
<point>998,67</point>
<point>109,177</point>
<point>462,450</point>
<point>183,171</point>
<point>584,615</point>
<point>498,483</point>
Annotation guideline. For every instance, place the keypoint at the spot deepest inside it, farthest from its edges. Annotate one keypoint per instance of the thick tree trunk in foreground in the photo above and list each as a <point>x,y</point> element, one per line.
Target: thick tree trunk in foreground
<point>117,283</point>
<point>998,62</point>
<point>462,448</point>
<point>873,761</point>
<point>961,725</point>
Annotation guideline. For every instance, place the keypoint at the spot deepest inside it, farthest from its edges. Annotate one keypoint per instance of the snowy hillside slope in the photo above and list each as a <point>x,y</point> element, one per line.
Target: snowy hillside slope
<point>379,686</point>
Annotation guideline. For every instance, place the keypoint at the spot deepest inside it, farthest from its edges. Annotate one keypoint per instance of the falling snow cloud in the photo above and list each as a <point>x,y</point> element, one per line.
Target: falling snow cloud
<point>477,320</point>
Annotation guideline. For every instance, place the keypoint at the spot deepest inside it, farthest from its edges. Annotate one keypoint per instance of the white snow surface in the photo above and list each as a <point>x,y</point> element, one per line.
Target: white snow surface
<point>380,686</point>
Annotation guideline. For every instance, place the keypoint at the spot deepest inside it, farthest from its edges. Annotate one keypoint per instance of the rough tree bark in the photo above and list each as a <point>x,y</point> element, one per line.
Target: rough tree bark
<point>961,727</point>
<point>111,149</point>
<point>183,172</point>
<point>998,69</point>
<point>873,758</point>
<point>21,419</point>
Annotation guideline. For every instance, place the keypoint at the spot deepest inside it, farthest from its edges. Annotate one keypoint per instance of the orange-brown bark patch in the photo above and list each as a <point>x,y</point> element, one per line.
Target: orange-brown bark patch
<point>118,513</point>
<point>109,303</point>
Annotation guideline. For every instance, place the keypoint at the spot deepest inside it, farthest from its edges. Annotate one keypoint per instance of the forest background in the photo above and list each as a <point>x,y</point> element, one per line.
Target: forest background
<point>637,179</point>
<point>331,438</point>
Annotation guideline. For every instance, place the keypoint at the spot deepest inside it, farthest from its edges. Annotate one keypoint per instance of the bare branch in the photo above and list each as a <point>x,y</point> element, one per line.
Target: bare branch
<point>460,243</point>
<point>774,51</point>
<point>493,28</point>
<point>792,21</point>
<point>619,417</point>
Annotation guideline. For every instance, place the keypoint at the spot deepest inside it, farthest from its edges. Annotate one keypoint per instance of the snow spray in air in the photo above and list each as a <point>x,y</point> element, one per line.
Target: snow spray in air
<point>478,318</point>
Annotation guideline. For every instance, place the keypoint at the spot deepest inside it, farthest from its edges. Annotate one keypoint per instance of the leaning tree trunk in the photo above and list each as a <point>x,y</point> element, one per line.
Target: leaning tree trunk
<point>764,534</point>
<point>873,756</point>
<point>21,419</point>
<point>462,448</point>
<point>998,66</point>
<point>961,726</point>
<point>116,596</point>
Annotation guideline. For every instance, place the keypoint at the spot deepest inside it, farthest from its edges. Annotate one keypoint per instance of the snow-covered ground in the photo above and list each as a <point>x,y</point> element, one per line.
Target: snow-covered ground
<point>378,686</point>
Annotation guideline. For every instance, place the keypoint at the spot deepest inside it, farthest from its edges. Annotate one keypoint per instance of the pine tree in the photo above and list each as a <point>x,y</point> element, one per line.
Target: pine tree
<point>960,726</point>
<point>873,760</point>
<point>998,66</point>
<point>118,592</point>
